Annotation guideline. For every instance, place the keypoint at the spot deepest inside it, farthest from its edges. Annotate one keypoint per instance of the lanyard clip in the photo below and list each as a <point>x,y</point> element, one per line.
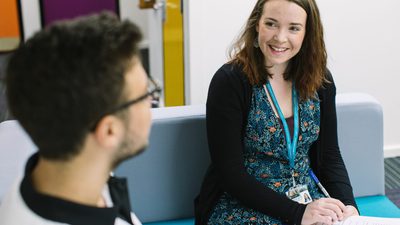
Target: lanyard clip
<point>294,181</point>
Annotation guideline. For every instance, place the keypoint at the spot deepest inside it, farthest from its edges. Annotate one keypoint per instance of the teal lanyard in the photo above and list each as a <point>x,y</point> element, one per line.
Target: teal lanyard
<point>290,144</point>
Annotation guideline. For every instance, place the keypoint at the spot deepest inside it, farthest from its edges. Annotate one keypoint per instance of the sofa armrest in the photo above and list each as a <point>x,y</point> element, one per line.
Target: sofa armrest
<point>360,133</point>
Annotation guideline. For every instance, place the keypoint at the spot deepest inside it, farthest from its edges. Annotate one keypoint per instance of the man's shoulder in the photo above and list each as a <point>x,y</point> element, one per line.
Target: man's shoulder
<point>13,210</point>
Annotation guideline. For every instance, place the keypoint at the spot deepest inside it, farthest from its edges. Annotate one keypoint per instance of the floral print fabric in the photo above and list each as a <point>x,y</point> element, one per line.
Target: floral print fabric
<point>266,158</point>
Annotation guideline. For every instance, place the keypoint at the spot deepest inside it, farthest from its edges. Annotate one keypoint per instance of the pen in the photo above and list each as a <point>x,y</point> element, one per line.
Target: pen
<point>319,184</point>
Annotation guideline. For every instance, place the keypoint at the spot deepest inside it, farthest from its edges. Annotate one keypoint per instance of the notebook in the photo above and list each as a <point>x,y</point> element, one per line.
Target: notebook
<point>366,220</point>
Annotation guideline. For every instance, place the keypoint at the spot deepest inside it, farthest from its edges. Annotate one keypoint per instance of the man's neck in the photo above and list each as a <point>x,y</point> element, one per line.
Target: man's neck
<point>77,180</point>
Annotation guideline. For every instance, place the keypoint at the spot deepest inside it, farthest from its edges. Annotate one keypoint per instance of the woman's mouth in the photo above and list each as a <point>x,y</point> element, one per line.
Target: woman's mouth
<point>277,49</point>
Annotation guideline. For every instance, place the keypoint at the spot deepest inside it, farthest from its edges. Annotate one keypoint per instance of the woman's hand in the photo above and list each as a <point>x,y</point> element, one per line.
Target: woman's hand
<point>325,211</point>
<point>350,211</point>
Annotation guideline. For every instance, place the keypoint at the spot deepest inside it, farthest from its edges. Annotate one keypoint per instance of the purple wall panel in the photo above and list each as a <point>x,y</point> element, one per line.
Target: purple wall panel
<point>54,10</point>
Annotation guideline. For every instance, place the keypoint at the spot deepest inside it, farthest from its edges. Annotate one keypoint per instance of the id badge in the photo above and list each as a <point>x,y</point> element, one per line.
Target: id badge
<point>300,194</point>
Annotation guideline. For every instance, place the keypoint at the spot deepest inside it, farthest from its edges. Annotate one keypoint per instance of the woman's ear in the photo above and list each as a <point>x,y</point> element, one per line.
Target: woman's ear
<point>109,132</point>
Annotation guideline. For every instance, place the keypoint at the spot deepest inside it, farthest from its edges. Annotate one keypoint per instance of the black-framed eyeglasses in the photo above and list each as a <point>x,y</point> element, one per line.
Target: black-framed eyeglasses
<point>153,91</point>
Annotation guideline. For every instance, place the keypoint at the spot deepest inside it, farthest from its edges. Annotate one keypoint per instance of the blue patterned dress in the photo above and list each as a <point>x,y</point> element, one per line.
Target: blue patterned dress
<point>266,158</point>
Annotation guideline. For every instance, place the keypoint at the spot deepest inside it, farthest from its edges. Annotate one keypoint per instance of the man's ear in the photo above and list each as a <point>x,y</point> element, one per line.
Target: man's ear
<point>109,132</point>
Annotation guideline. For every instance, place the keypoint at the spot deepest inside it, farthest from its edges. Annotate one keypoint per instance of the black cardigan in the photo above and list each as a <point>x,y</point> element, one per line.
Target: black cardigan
<point>228,105</point>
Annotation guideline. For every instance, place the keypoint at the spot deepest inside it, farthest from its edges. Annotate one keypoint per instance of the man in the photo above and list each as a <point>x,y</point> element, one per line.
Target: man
<point>79,90</point>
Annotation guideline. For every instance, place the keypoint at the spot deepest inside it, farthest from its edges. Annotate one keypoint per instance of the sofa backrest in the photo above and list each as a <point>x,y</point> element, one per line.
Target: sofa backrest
<point>164,180</point>
<point>15,148</point>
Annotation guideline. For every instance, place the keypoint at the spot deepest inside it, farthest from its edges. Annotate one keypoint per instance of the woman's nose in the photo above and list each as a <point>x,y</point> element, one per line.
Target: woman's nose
<point>280,36</point>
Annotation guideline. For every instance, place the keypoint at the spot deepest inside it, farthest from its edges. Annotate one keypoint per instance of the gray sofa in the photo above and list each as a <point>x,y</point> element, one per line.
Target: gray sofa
<point>164,180</point>
<point>167,177</point>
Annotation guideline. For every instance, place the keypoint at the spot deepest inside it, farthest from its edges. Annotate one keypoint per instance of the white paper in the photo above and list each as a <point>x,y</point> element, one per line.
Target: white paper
<point>366,220</point>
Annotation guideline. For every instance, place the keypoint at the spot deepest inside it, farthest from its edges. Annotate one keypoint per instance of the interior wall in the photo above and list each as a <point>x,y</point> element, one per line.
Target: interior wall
<point>362,37</point>
<point>213,25</point>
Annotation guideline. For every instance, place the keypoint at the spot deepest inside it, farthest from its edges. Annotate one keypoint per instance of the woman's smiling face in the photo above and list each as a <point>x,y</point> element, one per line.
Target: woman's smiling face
<point>281,31</point>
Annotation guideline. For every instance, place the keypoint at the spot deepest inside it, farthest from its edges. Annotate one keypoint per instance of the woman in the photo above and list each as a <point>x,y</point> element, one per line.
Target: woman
<point>271,123</point>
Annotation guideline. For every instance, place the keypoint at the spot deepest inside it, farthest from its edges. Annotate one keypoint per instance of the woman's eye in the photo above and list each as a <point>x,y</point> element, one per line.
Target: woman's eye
<point>270,24</point>
<point>295,29</point>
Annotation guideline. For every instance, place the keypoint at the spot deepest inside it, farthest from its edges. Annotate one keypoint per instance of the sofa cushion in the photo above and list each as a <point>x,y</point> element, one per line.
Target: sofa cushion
<point>379,206</point>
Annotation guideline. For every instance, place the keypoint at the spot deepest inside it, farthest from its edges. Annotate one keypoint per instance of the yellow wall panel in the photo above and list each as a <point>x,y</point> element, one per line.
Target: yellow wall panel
<point>173,55</point>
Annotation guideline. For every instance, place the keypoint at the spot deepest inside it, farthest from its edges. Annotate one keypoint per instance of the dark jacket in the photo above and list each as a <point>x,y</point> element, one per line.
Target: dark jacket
<point>228,105</point>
